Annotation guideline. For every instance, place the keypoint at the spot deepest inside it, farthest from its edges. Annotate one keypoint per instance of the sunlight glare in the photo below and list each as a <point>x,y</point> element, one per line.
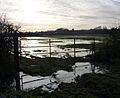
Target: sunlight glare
<point>31,8</point>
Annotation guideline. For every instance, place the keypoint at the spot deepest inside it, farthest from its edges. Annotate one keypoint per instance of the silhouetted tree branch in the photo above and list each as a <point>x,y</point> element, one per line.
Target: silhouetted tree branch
<point>7,69</point>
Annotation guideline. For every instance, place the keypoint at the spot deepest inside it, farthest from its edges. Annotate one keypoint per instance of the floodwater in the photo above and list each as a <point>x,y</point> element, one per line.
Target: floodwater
<point>50,83</point>
<point>39,47</point>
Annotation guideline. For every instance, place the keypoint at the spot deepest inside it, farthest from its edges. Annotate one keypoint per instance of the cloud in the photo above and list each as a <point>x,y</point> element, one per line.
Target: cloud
<point>65,4</point>
<point>116,2</point>
<point>67,11</point>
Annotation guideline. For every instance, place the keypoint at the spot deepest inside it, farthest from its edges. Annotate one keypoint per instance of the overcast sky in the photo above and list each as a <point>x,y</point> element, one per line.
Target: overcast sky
<point>51,14</point>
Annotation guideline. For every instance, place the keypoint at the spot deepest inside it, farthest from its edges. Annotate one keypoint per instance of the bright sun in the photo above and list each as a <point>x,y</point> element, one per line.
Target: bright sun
<point>31,8</point>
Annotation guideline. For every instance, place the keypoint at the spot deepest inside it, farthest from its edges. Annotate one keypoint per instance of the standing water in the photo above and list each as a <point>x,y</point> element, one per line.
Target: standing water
<point>39,47</point>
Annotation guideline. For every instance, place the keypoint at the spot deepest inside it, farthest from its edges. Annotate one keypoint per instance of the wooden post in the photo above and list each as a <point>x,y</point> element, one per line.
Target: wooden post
<point>50,48</point>
<point>22,82</point>
<point>74,49</point>
<point>93,56</point>
<point>16,61</point>
<point>20,51</point>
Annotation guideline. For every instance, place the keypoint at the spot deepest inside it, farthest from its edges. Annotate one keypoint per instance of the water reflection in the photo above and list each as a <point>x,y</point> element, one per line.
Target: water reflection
<point>39,46</point>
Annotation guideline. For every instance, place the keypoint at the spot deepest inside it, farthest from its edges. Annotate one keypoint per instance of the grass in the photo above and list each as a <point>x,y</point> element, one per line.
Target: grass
<point>45,66</point>
<point>86,86</point>
<point>100,38</point>
<point>84,37</point>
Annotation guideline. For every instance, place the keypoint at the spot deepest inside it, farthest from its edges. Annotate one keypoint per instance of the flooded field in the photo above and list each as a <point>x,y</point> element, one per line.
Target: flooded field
<point>44,47</point>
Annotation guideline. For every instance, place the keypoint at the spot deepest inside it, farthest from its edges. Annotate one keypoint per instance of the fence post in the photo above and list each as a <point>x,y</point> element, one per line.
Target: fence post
<point>74,49</point>
<point>20,50</point>
<point>22,82</point>
<point>93,56</point>
<point>50,48</point>
<point>16,61</point>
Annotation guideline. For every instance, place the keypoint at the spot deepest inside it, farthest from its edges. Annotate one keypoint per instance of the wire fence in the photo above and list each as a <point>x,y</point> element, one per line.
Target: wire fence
<point>50,46</point>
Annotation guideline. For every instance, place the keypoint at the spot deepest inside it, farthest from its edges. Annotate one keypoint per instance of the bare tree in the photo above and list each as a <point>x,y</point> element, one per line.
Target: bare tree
<point>7,68</point>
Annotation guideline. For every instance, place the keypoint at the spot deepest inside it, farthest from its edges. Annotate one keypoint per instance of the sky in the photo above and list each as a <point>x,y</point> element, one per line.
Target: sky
<point>42,15</point>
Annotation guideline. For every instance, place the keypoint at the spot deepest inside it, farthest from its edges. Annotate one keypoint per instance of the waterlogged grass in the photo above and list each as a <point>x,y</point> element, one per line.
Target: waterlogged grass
<point>85,37</point>
<point>81,46</point>
<point>99,38</point>
<point>47,66</point>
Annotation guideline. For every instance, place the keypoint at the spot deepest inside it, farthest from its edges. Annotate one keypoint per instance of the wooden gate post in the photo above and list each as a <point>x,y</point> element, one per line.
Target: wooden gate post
<point>16,61</point>
<point>93,56</point>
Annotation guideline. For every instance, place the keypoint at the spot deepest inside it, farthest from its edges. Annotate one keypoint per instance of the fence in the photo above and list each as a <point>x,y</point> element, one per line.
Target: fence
<point>17,51</point>
<point>50,45</point>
